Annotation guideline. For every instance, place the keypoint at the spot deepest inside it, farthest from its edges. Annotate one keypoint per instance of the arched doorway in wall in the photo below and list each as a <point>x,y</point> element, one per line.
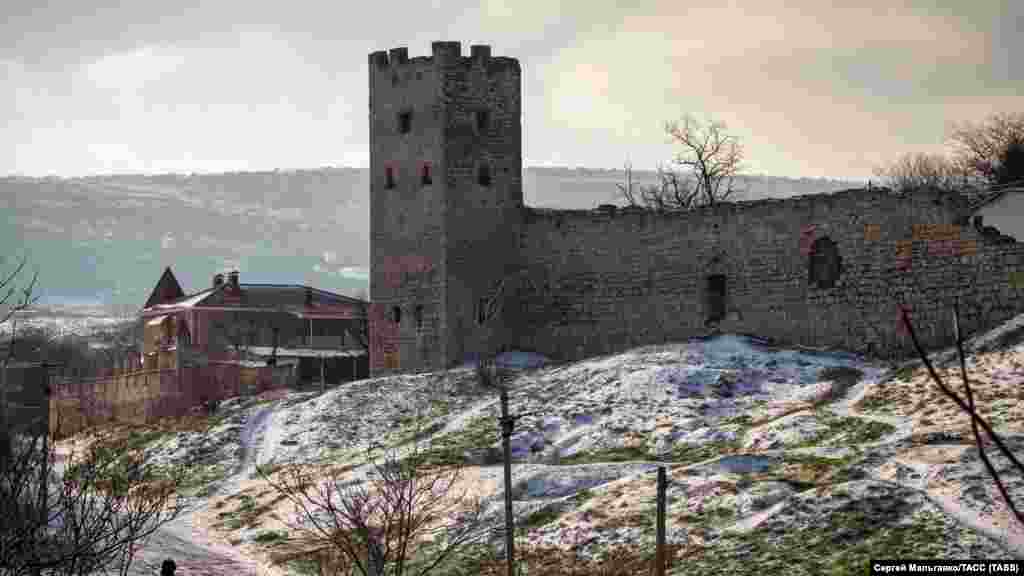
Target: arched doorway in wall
<point>715,298</point>
<point>824,264</point>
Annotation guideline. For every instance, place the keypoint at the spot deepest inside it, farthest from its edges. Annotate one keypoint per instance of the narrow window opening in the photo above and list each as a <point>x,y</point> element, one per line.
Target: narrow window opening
<point>425,178</point>
<point>483,175</point>
<point>715,298</point>
<point>389,177</point>
<point>483,120</point>
<point>405,122</point>
<point>481,311</point>
<point>419,316</point>
<point>396,315</point>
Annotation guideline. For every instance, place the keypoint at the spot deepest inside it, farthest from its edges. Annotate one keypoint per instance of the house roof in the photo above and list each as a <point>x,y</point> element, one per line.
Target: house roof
<point>167,288</point>
<point>270,297</point>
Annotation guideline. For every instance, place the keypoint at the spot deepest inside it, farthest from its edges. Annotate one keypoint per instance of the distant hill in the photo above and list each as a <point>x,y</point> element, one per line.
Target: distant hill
<point>104,240</point>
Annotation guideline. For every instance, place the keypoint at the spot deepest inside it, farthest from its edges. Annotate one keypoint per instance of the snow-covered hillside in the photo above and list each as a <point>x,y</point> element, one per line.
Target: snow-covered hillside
<point>774,456</point>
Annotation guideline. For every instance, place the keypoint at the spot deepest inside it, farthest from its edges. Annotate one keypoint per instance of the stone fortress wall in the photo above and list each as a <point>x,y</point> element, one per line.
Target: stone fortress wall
<point>827,270</point>
<point>461,268</point>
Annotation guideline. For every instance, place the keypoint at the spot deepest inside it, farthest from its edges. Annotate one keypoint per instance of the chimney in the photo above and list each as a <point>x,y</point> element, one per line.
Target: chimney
<point>218,280</point>
<point>233,279</point>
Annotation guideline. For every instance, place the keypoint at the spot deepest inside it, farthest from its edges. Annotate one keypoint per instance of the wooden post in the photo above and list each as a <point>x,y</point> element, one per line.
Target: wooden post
<point>659,558</point>
<point>506,434</point>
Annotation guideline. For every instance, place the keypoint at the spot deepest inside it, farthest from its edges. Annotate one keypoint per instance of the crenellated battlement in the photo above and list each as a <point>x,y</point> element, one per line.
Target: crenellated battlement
<point>444,54</point>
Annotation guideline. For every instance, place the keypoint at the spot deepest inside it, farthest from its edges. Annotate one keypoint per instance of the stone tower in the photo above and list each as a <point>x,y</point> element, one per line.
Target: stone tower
<point>445,205</point>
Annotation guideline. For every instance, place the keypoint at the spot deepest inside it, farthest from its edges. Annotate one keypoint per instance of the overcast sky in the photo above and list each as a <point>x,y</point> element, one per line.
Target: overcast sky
<point>90,87</point>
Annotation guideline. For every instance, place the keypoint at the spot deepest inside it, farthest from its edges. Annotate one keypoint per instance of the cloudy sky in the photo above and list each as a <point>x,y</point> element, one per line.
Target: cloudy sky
<point>90,87</point>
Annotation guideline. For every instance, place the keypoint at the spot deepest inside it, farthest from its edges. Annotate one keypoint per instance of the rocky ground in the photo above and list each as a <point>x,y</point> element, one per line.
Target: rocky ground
<point>777,458</point>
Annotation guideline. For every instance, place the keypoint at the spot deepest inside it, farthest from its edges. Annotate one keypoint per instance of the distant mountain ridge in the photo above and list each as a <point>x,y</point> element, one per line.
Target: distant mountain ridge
<point>104,240</point>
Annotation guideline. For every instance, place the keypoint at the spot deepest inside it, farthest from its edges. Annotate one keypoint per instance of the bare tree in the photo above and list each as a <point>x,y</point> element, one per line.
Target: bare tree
<point>405,518</point>
<point>12,298</point>
<point>711,155</point>
<point>12,301</point>
<point>626,189</point>
<point>673,192</point>
<point>89,515</point>
<point>83,516</point>
<point>918,170</point>
<point>981,148</point>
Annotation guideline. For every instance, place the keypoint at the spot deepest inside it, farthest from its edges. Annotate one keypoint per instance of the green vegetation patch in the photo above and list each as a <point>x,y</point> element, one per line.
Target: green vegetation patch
<point>848,429</point>
<point>694,453</point>
<point>906,372</point>
<point>710,516</point>
<point>142,439</point>
<point>303,566</point>
<point>876,401</point>
<point>539,518</point>
<point>841,544</point>
<point>450,449</point>
<point>247,513</point>
<point>620,454</point>
<point>270,536</point>
<point>201,478</point>
<point>806,471</point>
<point>582,496</point>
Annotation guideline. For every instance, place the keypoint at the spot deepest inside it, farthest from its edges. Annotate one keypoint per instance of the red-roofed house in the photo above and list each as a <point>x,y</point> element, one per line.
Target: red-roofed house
<point>323,333</point>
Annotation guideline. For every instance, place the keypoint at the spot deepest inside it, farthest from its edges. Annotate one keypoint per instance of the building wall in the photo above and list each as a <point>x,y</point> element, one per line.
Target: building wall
<point>436,249</point>
<point>579,283</point>
<point>596,283</point>
<point>1006,214</point>
<point>143,396</point>
<point>482,221</point>
<point>406,221</point>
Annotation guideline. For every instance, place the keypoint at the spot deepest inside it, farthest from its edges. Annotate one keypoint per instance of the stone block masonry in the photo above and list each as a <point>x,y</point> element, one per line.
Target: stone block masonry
<point>460,268</point>
<point>596,283</point>
<point>446,189</point>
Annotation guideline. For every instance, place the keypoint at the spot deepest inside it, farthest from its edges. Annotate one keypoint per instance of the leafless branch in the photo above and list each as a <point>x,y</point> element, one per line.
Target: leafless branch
<point>395,518</point>
<point>969,408</point>
<point>711,155</point>
<point>87,518</point>
<point>915,171</point>
<point>626,189</point>
<point>980,147</point>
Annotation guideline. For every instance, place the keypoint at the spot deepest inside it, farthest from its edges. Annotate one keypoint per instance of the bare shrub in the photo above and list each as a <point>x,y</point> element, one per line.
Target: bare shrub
<point>86,516</point>
<point>405,518</point>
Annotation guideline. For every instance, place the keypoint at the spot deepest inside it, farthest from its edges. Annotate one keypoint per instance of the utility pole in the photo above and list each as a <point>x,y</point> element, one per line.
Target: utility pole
<point>659,559</point>
<point>507,424</point>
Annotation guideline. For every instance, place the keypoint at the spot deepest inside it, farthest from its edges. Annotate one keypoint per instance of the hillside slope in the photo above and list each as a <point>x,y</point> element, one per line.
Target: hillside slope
<point>776,457</point>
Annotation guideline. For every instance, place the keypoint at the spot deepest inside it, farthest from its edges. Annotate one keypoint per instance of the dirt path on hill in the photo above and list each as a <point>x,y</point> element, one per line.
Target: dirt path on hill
<point>193,549</point>
<point>202,554</point>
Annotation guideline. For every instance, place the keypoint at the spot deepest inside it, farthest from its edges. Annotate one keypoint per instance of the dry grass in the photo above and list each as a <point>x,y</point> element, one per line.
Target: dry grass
<point>995,381</point>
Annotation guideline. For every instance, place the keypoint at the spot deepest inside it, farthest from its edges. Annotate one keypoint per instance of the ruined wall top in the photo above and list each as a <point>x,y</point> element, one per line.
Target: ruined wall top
<point>444,54</point>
